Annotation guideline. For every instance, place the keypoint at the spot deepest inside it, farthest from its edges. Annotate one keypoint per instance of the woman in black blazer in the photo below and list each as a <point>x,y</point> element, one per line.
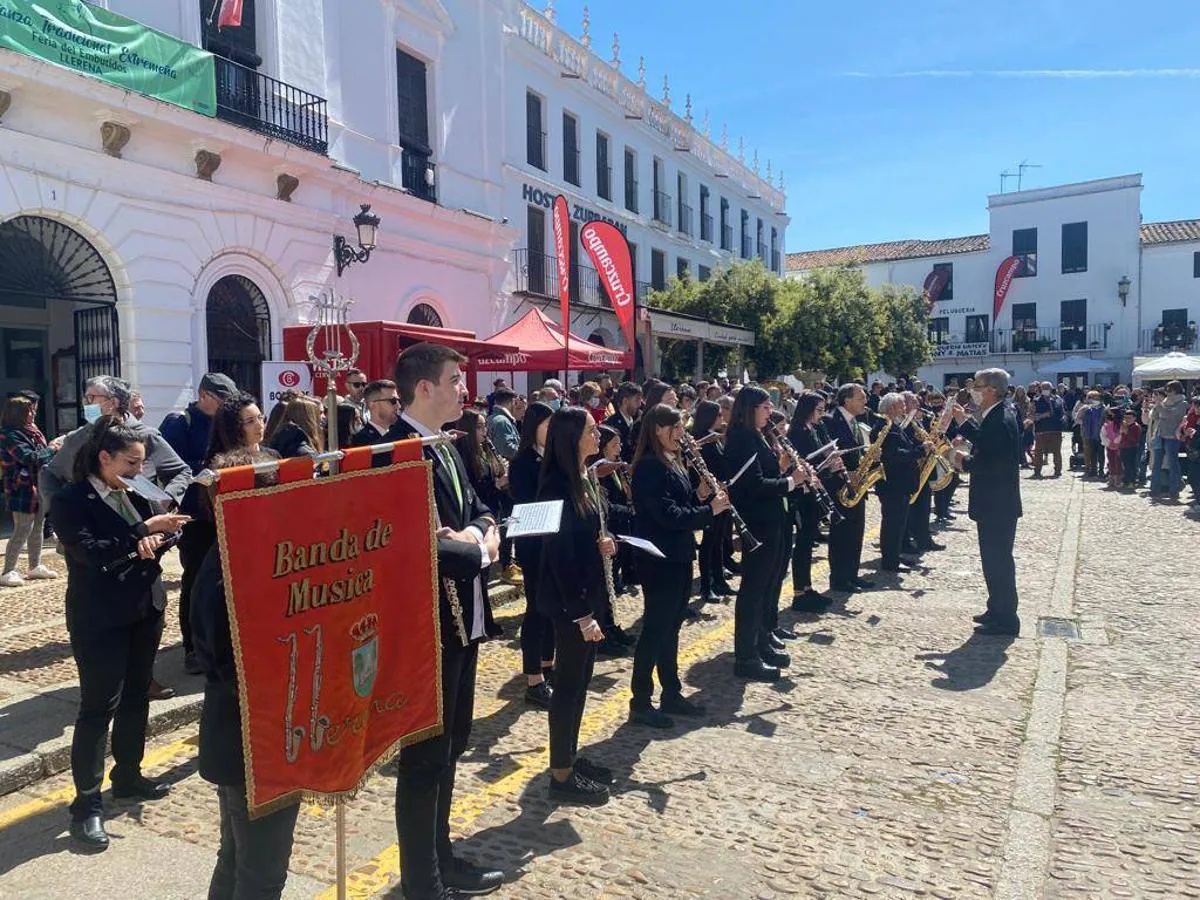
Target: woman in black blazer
<point>760,494</point>
<point>614,479</point>
<point>805,436</point>
<point>668,514</point>
<point>713,585</point>
<point>115,601</point>
<point>573,592</point>
<point>537,631</point>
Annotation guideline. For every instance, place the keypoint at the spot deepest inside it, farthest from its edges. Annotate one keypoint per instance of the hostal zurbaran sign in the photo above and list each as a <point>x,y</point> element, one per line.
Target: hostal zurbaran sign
<point>331,589</point>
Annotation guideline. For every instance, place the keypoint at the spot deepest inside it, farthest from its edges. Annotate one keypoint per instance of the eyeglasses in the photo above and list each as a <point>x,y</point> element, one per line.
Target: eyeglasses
<point>356,384</point>
<point>94,398</point>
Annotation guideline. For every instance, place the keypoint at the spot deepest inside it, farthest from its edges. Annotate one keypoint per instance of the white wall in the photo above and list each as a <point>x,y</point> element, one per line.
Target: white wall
<point>1168,282</point>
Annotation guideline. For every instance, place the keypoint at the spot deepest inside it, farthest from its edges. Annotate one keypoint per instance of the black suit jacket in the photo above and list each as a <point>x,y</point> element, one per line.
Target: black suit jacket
<point>571,581</point>
<point>839,429</point>
<point>522,487</point>
<point>668,513</point>
<point>369,434</point>
<point>994,464</point>
<point>901,455</point>
<point>457,560</point>
<point>758,493</point>
<point>617,422</point>
<point>94,535</point>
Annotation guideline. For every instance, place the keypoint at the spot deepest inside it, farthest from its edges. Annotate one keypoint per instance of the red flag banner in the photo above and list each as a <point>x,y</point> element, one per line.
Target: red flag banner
<point>335,626</point>
<point>562,250</point>
<point>231,14</point>
<point>1004,275</point>
<point>935,283</point>
<point>609,252</point>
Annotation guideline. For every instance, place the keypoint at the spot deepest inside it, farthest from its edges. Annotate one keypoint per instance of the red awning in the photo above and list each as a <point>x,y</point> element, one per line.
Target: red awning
<point>539,343</point>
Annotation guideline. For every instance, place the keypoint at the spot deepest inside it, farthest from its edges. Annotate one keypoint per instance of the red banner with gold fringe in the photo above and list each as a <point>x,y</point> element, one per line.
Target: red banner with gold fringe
<point>331,585</point>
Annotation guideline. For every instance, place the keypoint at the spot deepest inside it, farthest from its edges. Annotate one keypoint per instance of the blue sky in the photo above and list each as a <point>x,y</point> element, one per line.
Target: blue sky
<point>895,120</point>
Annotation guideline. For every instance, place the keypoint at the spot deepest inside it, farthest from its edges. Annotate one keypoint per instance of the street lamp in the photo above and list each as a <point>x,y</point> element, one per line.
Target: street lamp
<point>1123,288</point>
<point>366,224</point>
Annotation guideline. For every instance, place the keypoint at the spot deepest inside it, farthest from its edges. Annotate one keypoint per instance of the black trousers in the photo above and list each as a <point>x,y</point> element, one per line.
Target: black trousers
<point>943,498</point>
<point>918,518</point>
<point>666,586</point>
<point>198,537</point>
<point>759,572</point>
<point>896,512</point>
<point>115,666</point>
<point>425,780</point>
<point>775,588</point>
<point>572,675</point>
<point>537,630</point>
<point>712,554</point>
<point>846,543</point>
<point>252,861</point>
<point>996,538</point>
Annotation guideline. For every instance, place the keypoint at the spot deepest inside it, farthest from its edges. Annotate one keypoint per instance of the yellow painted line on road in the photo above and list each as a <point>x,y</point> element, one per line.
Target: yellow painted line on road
<point>377,874</point>
<point>154,757</point>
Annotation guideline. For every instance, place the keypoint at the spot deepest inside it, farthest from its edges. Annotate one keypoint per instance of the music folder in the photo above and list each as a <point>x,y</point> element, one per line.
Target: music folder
<point>534,519</point>
<point>640,544</point>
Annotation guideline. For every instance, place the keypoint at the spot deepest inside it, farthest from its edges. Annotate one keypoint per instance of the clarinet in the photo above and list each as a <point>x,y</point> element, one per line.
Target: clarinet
<point>687,449</point>
<point>829,509</point>
<point>605,561</point>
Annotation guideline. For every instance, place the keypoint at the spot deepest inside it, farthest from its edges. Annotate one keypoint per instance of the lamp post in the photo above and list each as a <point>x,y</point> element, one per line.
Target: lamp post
<point>366,224</point>
<point>1123,288</point>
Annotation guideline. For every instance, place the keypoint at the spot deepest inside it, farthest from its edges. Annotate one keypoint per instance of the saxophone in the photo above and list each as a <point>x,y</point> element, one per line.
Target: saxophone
<point>934,460</point>
<point>868,472</point>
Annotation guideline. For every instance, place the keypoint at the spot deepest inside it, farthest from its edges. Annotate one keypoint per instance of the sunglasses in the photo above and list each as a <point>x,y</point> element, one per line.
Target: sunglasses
<point>395,401</point>
<point>356,384</point>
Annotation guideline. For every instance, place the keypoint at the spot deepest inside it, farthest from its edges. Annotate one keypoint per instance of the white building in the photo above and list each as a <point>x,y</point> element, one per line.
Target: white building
<point>159,240</point>
<point>1093,282</point>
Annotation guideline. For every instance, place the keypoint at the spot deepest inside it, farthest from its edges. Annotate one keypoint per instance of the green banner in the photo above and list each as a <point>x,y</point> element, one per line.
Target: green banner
<point>112,48</point>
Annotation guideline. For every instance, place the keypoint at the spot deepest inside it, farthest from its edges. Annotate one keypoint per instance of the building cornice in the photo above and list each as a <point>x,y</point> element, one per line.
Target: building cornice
<point>1097,186</point>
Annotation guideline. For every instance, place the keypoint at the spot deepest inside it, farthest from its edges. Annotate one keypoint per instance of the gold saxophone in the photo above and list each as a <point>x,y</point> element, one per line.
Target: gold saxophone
<point>934,460</point>
<point>868,472</point>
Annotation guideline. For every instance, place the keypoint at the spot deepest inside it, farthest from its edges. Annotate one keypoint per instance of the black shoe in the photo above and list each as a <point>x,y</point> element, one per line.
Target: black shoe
<point>578,791</point>
<point>863,584</point>
<point>775,659</point>
<point>785,634</point>
<point>982,618</point>
<point>621,636</point>
<point>141,788</point>
<point>610,648</point>
<point>843,588</point>
<point>469,880</point>
<point>755,670</point>
<point>710,596</point>
<point>548,674</point>
<point>772,643</point>
<point>90,832</point>
<point>593,771</point>
<point>650,717</point>
<point>910,548</point>
<point>539,695</point>
<point>158,691</point>
<point>723,589</point>
<point>991,628</point>
<point>1036,476</point>
<point>932,545</point>
<point>690,615</point>
<point>191,665</point>
<point>678,705</point>
<point>734,566</point>
<point>895,567</point>
<point>810,601</point>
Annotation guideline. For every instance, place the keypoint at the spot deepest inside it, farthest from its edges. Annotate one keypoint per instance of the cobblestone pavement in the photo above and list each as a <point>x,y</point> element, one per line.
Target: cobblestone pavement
<point>902,757</point>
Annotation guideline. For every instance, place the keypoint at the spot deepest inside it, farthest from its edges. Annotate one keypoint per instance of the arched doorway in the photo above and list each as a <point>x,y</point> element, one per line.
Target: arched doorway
<point>44,260</point>
<point>424,314</point>
<point>239,331</point>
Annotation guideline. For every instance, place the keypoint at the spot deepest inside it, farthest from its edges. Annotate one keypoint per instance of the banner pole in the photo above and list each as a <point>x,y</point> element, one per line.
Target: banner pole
<point>340,827</point>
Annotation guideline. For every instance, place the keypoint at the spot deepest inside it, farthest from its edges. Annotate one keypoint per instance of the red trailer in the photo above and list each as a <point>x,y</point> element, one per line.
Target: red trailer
<point>380,342</point>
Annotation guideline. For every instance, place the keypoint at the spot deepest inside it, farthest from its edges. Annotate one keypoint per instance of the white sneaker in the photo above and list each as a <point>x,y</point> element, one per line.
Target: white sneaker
<point>11,579</point>
<point>41,573</point>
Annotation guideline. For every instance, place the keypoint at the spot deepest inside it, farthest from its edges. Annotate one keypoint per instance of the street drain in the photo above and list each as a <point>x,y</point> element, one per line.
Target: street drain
<point>1062,628</point>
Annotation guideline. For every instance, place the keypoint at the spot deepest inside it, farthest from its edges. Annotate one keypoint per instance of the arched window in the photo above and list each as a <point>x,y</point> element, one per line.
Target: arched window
<point>424,314</point>
<point>597,338</point>
<point>239,331</point>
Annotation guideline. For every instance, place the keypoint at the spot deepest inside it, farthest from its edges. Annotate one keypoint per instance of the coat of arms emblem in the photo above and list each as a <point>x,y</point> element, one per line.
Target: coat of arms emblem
<point>364,658</point>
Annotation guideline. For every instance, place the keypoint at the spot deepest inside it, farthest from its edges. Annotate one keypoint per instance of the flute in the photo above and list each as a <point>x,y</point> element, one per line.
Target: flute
<point>688,449</point>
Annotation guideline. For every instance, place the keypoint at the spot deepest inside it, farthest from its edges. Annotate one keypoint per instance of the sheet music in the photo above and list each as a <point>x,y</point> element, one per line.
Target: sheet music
<point>640,544</point>
<point>533,519</point>
<point>832,445</point>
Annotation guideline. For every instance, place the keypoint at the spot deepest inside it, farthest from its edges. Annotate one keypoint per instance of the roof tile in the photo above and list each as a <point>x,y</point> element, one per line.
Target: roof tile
<point>1171,232</point>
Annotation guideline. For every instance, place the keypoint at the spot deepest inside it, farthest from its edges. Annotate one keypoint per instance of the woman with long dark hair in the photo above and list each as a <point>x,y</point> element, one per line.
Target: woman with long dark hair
<point>23,452</point>
<point>115,599</point>
<point>668,514</point>
<point>713,586</point>
<point>613,477</point>
<point>759,484</point>
<point>299,431</point>
<point>537,631</point>
<point>573,592</point>
<point>804,435</point>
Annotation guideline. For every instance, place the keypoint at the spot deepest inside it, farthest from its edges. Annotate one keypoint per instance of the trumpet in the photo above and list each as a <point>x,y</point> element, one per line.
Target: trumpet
<point>689,450</point>
<point>829,509</point>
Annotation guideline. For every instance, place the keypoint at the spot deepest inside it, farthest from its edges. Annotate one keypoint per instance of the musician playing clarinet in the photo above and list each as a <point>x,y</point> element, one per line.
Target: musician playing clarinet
<point>805,436</point>
<point>758,487</point>
<point>713,586</point>
<point>430,382</point>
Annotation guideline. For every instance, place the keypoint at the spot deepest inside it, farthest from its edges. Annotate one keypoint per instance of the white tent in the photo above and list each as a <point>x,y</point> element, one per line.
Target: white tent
<point>1168,366</point>
<point>1075,364</point>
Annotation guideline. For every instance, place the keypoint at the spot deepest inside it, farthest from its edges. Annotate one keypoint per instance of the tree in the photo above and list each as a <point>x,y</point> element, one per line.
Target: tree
<point>904,329</point>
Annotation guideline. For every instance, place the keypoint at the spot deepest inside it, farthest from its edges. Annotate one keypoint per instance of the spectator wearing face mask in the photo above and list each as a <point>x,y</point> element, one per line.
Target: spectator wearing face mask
<point>1165,475</point>
<point>592,399</point>
<point>1110,437</point>
<point>1047,427</point>
<point>1091,420</point>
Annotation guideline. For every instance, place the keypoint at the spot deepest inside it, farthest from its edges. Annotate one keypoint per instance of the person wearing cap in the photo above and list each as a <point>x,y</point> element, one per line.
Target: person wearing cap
<point>189,433</point>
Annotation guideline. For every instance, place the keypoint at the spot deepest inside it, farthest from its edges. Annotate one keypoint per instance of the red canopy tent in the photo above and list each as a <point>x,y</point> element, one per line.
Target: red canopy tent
<point>539,343</point>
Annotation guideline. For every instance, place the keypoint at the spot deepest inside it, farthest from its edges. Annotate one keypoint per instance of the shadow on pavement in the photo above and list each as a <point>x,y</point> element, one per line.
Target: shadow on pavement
<point>970,666</point>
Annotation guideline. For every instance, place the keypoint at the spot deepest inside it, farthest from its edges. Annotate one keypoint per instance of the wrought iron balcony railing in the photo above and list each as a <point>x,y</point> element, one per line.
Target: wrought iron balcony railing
<point>418,176</point>
<point>1166,338</point>
<point>706,227</point>
<point>685,219</point>
<point>264,104</point>
<point>662,207</point>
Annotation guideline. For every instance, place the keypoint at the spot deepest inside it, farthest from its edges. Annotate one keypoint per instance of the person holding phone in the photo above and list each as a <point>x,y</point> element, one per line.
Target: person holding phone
<point>115,600</point>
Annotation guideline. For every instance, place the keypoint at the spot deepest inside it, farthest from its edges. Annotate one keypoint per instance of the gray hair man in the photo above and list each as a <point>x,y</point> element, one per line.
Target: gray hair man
<point>995,496</point>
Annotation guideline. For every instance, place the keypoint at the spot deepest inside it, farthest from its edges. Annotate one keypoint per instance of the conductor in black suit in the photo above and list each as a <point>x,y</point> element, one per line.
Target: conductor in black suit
<point>995,495</point>
<point>846,536</point>
<point>627,402</point>
<point>431,388</point>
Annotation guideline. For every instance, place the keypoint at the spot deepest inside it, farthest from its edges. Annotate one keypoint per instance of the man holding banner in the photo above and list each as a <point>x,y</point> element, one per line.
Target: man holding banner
<point>432,391</point>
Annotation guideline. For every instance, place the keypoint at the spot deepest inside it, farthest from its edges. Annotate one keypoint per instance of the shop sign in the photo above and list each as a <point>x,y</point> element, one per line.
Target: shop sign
<point>579,212</point>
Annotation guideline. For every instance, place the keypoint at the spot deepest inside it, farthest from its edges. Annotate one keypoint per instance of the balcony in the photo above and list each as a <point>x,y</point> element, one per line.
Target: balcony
<point>418,176</point>
<point>727,238</point>
<point>685,219</point>
<point>706,227</point>
<point>256,101</point>
<point>537,276</point>
<point>535,148</point>
<point>1060,339</point>
<point>1166,338</point>
<point>662,208</point>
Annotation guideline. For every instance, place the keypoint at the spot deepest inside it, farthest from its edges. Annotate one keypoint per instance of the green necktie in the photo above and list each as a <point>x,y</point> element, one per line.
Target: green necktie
<point>121,503</point>
<point>443,453</point>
